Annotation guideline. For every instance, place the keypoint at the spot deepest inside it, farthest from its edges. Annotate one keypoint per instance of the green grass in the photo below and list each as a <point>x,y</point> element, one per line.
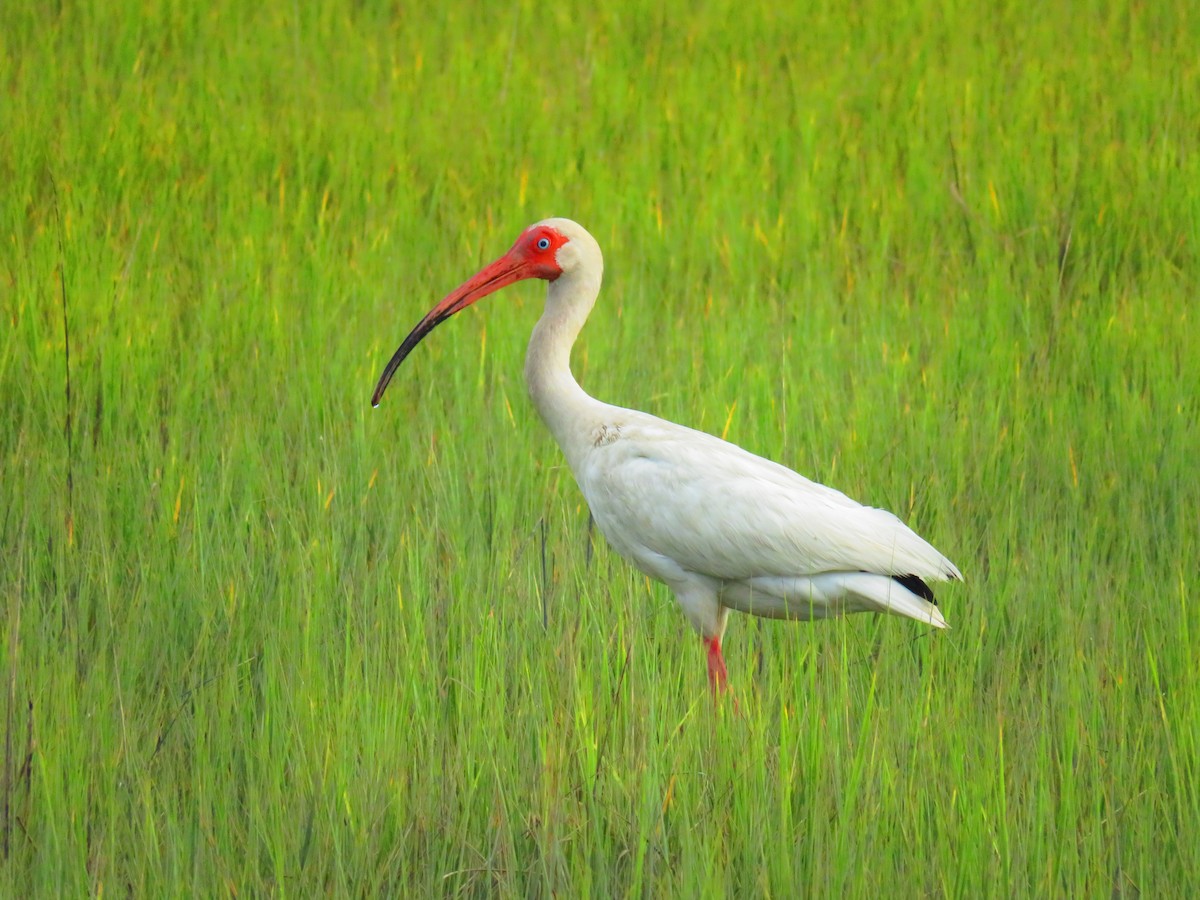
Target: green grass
<point>264,640</point>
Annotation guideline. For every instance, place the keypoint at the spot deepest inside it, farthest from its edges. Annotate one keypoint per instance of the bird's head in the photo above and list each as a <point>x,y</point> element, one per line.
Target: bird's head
<point>547,250</point>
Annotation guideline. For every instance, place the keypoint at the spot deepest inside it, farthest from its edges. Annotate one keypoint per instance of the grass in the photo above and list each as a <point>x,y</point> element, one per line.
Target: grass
<point>264,640</point>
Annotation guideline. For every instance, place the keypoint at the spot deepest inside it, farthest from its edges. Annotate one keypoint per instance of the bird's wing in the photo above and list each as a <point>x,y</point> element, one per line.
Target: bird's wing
<point>713,508</point>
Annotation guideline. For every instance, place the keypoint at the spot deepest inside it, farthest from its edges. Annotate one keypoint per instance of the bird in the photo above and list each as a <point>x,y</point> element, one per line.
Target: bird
<point>723,528</point>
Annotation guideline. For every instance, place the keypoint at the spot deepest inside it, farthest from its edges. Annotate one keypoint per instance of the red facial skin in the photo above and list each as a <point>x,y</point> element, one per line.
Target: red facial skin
<point>534,255</point>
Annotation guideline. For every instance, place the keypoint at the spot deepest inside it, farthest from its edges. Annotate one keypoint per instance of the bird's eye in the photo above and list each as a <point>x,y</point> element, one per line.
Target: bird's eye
<point>543,243</point>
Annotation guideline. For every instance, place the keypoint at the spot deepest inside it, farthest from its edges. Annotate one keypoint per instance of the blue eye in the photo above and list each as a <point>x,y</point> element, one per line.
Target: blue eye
<point>543,243</point>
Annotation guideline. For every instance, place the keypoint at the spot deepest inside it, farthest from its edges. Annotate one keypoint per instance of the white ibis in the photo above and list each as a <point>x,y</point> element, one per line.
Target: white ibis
<point>723,528</point>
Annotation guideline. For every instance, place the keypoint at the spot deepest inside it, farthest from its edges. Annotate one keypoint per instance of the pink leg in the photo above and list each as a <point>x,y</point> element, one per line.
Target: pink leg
<point>718,677</point>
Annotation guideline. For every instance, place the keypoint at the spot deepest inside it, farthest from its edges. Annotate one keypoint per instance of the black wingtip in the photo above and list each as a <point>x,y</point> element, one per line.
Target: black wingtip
<point>917,586</point>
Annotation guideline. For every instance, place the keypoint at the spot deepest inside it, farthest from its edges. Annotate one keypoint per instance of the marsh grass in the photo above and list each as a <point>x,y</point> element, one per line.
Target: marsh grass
<point>262,639</point>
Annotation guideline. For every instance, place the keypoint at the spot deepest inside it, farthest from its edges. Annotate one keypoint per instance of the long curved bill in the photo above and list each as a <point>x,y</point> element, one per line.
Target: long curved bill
<point>490,278</point>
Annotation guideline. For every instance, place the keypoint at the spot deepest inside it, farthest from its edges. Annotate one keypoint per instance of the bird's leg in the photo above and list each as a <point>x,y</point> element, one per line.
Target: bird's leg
<point>718,677</point>
<point>700,598</point>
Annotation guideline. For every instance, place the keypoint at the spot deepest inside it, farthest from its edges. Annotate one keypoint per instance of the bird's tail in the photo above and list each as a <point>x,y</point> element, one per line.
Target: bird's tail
<point>896,596</point>
<point>833,594</point>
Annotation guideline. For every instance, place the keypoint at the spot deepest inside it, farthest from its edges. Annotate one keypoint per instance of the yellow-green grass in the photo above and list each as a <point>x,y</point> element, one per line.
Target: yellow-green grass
<point>264,640</point>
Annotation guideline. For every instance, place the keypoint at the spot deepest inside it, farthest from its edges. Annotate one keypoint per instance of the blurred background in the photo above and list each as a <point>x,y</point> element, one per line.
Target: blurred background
<point>261,638</point>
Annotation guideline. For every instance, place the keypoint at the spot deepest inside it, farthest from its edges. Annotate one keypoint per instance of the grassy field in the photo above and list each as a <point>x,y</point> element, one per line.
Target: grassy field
<point>261,639</point>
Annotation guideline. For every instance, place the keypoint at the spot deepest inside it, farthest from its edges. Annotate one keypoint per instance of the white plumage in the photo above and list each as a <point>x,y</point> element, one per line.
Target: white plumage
<point>725,529</point>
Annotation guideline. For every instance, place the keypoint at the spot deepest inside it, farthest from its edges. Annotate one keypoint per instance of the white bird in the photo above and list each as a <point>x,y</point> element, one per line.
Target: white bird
<point>723,528</point>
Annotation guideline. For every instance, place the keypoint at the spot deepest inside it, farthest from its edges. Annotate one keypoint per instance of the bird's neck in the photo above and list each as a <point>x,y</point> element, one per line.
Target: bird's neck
<point>564,406</point>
